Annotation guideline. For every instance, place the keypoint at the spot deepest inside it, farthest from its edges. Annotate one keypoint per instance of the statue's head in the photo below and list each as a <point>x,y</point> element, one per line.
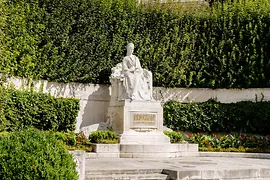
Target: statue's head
<point>130,48</point>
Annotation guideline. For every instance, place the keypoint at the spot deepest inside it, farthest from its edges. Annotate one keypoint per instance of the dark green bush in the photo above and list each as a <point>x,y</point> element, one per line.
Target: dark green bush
<point>103,137</point>
<point>42,111</point>
<point>34,155</point>
<point>212,116</point>
<point>78,40</point>
<point>175,137</point>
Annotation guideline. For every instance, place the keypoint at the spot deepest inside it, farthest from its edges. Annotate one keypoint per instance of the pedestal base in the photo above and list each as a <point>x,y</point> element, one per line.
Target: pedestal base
<point>153,137</point>
<point>138,122</point>
<point>145,150</point>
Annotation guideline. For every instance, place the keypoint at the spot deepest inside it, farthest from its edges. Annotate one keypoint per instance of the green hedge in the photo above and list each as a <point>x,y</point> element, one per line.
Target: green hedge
<point>212,116</point>
<point>34,155</point>
<point>78,40</point>
<point>24,109</point>
<point>20,36</point>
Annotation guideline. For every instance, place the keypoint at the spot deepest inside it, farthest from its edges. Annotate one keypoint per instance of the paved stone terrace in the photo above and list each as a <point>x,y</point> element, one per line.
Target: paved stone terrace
<point>208,168</point>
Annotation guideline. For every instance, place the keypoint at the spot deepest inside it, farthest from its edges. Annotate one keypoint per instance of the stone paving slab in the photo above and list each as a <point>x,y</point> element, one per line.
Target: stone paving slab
<point>190,167</point>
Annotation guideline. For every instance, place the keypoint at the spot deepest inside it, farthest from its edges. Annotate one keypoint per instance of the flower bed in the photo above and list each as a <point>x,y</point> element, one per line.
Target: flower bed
<point>231,142</point>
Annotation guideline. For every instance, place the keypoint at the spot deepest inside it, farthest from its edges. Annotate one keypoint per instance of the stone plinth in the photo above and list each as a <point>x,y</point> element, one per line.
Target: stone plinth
<point>145,150</point>
<point>138,122</point>
<point>79,158</point>
<point>158,150</point>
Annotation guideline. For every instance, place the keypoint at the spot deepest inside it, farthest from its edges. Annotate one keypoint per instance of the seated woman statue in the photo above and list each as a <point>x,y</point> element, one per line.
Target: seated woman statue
<point>137,82</point>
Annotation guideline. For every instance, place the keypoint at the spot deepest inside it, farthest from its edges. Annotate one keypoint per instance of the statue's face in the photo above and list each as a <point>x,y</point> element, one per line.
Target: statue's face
<point>130,49</point>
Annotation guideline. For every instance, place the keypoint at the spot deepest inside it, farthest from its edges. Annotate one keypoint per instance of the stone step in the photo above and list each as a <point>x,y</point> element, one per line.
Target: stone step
<point>123,171</point>
<point>184,168</point>
<point>127,176</point>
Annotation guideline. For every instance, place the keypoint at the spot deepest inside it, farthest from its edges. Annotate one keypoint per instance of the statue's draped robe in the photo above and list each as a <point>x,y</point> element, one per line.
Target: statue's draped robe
<point>137,81</point>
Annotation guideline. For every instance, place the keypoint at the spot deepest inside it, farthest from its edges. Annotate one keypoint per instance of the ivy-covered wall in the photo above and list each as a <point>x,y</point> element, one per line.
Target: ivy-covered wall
<point>80,41</point>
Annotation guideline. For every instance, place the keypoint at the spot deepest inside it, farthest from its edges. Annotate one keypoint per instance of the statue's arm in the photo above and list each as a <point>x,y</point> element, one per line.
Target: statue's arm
<point>124,64</point>
<point>126,67</point>
<point>138,64</point>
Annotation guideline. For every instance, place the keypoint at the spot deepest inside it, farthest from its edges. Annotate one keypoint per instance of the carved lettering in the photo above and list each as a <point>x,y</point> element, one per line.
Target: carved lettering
<point>144,121</point>
<point>144,117</point>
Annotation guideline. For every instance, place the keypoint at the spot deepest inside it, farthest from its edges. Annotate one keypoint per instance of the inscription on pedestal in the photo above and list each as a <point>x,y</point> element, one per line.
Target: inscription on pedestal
<point>143,120</point>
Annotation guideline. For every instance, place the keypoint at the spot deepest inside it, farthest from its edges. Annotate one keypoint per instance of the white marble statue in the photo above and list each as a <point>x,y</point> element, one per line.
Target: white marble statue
<point>136,81</point>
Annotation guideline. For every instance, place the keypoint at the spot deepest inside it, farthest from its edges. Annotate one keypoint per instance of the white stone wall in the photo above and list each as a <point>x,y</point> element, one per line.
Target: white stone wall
<point>204,94</point>
<point>94,99</point>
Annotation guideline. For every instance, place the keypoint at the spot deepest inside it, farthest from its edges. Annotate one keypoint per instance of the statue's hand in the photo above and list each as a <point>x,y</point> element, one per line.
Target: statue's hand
<point>137,70</point>
<point>132,69</point>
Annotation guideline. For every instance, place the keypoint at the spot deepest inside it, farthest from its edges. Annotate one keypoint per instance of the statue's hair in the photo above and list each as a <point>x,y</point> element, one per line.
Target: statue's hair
<point>130,44</point>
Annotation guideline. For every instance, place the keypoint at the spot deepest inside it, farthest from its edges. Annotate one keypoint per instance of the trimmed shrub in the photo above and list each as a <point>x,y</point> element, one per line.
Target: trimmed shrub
<point>34,109</point>
<point>103,137</point>
<point>68,138</point>
<point>74,141</point>
<point>212,116</point>
<point>175,137</point>
<point>35,155</point>
<point>78,40</point>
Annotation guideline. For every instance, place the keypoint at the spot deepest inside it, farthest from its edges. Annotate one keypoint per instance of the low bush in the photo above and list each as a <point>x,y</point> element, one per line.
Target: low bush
<point>70,140</point>
<point>33,155</point>
<point>212,116</point>
<point>175,137</point>
<point>103,137</point>
<point>74,141</point>
<point>35,109</point>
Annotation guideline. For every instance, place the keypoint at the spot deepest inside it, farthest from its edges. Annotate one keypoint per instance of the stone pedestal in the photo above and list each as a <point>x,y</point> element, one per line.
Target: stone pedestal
<point>134,114</point>
<point>138,122</point>
<point>79,158</point>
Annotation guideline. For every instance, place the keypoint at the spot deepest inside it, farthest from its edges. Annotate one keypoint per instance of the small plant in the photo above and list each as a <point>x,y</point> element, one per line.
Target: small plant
<point>103,137</point>
<point>74,141</point>
<point>68,138</point>
<point>175,137</point>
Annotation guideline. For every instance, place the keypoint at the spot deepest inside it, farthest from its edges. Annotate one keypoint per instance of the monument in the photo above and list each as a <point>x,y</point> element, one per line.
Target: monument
<point>133,113</point>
